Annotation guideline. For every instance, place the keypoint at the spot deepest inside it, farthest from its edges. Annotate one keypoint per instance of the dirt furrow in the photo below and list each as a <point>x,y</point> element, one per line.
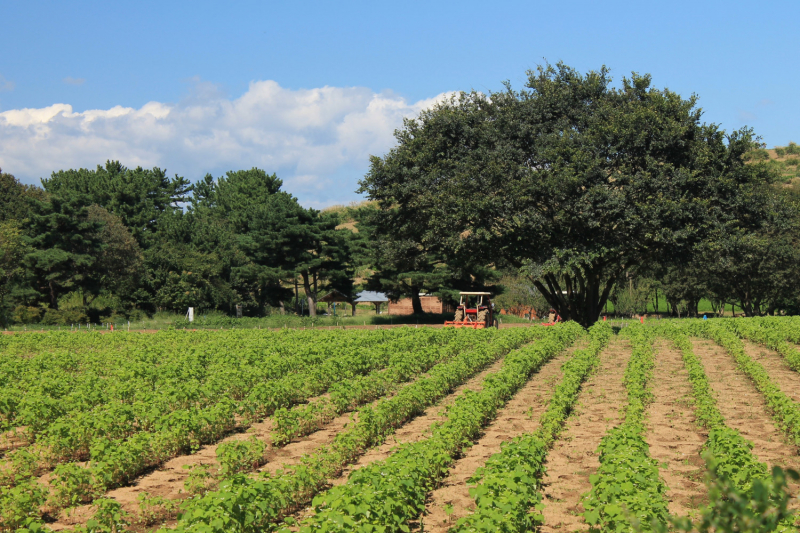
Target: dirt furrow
<point>574,457</point>
<point>167,481</point>
<point>420,427</point>
<point>417,429</point>
<point>784,377</point>
<point>521,415</point>
<point>674,438</point>
<point>12,439</point>
<point>744,407</point>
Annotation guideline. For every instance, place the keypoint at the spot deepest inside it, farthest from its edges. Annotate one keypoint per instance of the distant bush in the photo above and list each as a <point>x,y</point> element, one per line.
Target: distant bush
<point>63,317</point>
<point>792,161</point>
<point>791,149</point>
<point>26,315</point>
<point>758,154</point>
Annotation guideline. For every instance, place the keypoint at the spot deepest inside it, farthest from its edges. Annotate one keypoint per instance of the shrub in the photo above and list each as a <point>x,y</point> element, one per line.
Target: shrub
<point>240,455</point>
<point>26,315</point>
<point>64,317</point>
<point>758,154</point>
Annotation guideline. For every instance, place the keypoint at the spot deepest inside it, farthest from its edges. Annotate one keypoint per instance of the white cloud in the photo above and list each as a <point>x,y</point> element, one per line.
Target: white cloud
<point>6,85</point>
<point>69,80</point>
<point>317,140</point>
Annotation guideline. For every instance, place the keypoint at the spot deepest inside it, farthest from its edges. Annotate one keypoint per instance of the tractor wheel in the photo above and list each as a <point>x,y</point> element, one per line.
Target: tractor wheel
<point>459,315</point>
<point>481,319</point>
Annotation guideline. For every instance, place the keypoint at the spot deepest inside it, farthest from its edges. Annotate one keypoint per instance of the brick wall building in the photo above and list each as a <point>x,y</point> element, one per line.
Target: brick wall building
<point>430,304</point>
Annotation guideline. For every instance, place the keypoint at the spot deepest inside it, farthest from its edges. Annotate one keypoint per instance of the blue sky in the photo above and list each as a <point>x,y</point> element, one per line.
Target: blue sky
<point>310,89</point>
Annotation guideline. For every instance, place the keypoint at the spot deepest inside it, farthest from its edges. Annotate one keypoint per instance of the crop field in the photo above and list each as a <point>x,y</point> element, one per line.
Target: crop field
<point>666,425</point>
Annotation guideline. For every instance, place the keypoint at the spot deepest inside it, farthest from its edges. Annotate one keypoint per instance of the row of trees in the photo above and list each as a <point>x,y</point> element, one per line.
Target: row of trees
<point>142,241</point>
<point>564,189</point>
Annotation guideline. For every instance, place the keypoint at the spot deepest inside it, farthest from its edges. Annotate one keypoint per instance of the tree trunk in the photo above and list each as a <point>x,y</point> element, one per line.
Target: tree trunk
<point>296,296</point>
<point>311,296</point>
<point>416,303</point>
<point>579,295</point>
<point>53,298</point>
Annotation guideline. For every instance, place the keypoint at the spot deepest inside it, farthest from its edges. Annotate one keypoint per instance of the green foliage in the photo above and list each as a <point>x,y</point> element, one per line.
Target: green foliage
<point>154,509</point>
<point>743,495</point>
<point>200,479</point>
<point>627,490</point>
<point>19,505</point>
<point>785,411</point>
<point>65,247</point>
<point>386,495</point>
<point>519,293</point>
<point>169,393</point>
<point>250,504</point>
<point>137,196</point>
<point>240,455</point>
<point>109,517</point>
<point>762,508</point>
<point>508,485</point>
<point>571,178</point>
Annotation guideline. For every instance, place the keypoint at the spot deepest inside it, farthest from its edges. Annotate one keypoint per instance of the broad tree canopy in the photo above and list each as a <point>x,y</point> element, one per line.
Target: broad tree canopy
<point>571,179</point>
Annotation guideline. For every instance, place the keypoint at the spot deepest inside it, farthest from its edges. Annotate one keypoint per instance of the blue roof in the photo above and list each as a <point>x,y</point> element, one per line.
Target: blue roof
<point>371,297</point>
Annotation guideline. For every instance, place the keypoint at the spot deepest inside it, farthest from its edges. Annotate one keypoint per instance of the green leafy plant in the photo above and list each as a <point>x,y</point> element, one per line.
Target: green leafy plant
<point>154,509</point>
<point>240,455</point>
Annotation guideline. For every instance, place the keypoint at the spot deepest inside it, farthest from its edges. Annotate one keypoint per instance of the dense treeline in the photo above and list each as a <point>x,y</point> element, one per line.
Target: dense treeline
<point>567,194</point>
<point>139,241</point>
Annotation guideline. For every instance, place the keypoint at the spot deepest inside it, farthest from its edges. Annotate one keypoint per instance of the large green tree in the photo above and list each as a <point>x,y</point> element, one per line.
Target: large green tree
<point>16,198</point>
<point>137,196</point>
<point>571,179</point>
<point>65,245</point>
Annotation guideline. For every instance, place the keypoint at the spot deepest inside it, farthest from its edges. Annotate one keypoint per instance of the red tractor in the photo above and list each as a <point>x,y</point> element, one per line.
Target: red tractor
<point>475,311</point>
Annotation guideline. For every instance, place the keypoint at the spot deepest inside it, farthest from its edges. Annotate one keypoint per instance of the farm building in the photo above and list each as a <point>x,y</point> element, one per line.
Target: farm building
<point>430,304</point>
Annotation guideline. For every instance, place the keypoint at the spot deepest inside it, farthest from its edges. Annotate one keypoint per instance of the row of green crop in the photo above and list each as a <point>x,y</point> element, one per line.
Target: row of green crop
<point>785,411</point>
<point>248,504</point>
<point>348,394</point>
<point>386,495</point>
<point>137,383</point>
<point>117,455</point>
<point>728,455</point>
<point>114,462</point>
<point>627,490</point>
<point>731,450</point>
<point>508,486</point>
<point>773,333</point>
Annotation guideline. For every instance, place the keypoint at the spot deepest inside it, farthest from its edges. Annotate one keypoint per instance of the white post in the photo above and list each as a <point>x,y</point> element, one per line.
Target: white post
<point>190,314</point>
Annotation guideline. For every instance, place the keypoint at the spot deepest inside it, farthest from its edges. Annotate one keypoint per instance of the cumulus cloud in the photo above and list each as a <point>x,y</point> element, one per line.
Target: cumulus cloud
<point>69,80</point>
<point>6,85</point>
<point>317,140</point>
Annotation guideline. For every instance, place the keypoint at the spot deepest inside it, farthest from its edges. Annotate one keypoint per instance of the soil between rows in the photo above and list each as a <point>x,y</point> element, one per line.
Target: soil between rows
<point>417,429</point>
<point>779,372</point>
<point>521,415</point>
<point>574,456</point>
<point>168,480</point>
<point>744,408</point>
<point>674,436</point>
